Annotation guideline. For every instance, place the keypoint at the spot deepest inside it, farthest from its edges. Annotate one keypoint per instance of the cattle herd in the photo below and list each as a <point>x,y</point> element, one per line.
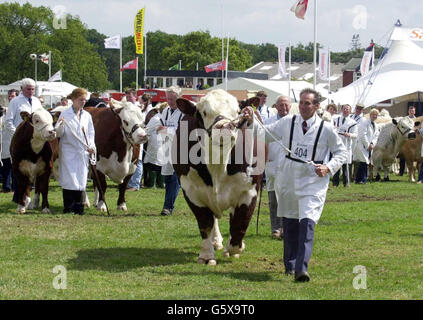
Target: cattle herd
<point>210,186</point>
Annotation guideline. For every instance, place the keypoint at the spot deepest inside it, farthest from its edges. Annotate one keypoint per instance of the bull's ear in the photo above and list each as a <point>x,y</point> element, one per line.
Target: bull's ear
<point>186,106</point>
<point>115,110</point>
<point>394,121</point>
<point>25,116</point>
<point>417,123</point>
<point>56,116</point>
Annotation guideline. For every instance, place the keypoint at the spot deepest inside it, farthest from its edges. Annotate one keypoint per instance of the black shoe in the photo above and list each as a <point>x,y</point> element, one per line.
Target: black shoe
<point>166,212</point>
<point>302,276</point>
<point>289,272</point>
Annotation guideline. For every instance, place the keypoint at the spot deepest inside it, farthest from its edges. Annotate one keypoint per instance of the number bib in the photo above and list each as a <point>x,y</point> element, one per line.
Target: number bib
<point>302,151</point>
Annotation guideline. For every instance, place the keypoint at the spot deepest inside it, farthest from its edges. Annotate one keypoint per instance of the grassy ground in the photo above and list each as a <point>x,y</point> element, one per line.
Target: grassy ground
<point>142,255</point>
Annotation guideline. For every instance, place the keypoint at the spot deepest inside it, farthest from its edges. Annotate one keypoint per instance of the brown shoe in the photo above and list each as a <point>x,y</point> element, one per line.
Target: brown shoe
<point>276,235</point>
<point>302,276</point>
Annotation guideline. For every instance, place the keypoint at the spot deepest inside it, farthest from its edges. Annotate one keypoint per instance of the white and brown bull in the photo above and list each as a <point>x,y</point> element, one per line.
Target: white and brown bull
<point>119,131</point>
<point>31,151</point>
<point>392,137</point>
<point>214,161</point>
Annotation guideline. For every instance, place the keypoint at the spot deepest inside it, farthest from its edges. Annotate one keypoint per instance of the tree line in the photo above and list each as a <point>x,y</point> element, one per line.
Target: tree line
<point>79,51</point>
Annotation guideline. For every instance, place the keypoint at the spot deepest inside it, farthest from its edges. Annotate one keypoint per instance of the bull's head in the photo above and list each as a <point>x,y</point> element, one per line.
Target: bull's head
<point>42,121</point>
<point>132,121</point>
<point>405,126</point>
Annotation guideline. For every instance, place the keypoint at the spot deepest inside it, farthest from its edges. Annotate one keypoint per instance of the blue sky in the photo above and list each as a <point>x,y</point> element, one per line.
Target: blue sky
<point>250,21</point>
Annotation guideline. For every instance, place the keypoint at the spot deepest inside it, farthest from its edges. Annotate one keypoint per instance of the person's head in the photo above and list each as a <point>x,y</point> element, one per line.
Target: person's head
<point>78,97</point>
<point>283,105</point>
<point>262,96</point>
<point>172,93</point>
<point>373,114</point>
<point>28,87</point>
<point>11,94</point>
<point>332,109</point>
<point>412,111</point>
<point>95,95</point>
<point>358,108</point>
<point>131,95</point>
<point>309,103</point>
<point>64,101</point>
<point>346,110</point>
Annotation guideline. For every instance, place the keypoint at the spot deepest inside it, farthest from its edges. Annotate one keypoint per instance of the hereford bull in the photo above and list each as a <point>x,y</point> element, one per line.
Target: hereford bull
<point>392,137</point>
<point>217,175</point>
<point>118,135</point>
<point>31,151</point>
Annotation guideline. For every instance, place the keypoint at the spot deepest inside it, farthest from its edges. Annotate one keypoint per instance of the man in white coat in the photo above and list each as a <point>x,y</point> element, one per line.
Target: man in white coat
<point>264,111</point>
<point>302,179</point>
<point>283,105</point>
<point>170,118</point>
<point>368,133</point>
<point>347,130</point>
<point>357,116</point>
<point>26,101</point>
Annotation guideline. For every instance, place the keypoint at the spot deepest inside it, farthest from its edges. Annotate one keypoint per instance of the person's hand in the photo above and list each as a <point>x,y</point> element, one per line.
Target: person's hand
<point>247,114</point>
<point>371,147</point>
<point>321,170</point>
<point>162,128</point>
<point>91,150</point>
<point>346,134</point>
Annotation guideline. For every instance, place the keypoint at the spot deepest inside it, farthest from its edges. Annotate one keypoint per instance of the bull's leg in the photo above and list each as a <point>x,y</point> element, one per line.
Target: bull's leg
<point>370,174</point>
<point>217,236</point>
<point>386,173</point>
<point>35,201</point>
<point>23,184</point>
<point>42,184</point>
<point>101,196</point>
<point>239,221</point>
<point>121,203</point>
<point>410,167</point>
<point>205,220</point>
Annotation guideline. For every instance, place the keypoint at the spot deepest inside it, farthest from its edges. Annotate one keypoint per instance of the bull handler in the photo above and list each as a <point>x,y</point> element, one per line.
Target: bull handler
<point>302,179</point>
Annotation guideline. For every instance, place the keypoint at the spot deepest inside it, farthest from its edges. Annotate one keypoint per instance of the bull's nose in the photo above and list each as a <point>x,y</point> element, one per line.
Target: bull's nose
<point>142,136</point>
<point>412,136</point>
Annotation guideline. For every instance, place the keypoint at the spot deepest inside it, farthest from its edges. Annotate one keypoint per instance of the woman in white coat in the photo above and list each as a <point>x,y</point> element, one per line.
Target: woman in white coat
<point>300,185</point>
<point>76,132</point>
<point>368,133</point>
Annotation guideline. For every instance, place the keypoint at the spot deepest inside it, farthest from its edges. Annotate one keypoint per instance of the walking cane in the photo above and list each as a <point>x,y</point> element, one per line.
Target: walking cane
<point>94,170</point>
<point>258,211</point>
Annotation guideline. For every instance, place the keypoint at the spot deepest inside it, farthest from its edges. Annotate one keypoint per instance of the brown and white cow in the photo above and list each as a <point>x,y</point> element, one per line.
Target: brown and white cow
<point>31,151</point>
<point>213,160</point>
<point>118,135</point>
<point>392,137</point>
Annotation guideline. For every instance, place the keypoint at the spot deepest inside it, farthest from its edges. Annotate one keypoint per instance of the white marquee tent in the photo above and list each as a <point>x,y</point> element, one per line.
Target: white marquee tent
<point>398,74</point>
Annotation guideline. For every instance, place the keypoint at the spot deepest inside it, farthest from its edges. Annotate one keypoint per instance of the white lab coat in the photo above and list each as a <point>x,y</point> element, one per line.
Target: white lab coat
<point>73,155</point>
<point>275,155</point>
<point>154,153</point>
<point>301,193</point>
<point>266,112</point>
<point>366,135</point>
<point>354,142</point>
<point>348,125</point>
<point>13,119</point>
<point>171,120</point>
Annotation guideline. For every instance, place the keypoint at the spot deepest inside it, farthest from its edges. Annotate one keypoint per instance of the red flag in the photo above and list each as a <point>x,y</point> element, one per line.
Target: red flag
<point>130,65</point>
<point>221,65</point>
<point>300,8</point>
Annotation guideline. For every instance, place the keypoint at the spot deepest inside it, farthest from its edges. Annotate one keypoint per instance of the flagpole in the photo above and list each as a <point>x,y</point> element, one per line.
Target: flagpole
<point>136,77</point>
<point>223,36</point>
<point>49,64</point>
<point>120,76</point>
<point>328,75</point>
<point>145,61</point>
<point>227,64</point>
<point>315,39</point>
<point>289,72</point>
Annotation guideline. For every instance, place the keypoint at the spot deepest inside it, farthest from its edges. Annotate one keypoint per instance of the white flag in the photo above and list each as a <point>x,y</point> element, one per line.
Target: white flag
<point>282,67</point>
<point>56,77</point>
<point>324,64</point>
<point>112,42</point>
<point>365,62</point>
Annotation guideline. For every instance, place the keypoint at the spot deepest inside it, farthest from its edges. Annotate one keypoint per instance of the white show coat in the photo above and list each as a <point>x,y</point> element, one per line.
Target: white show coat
<point>275,155</point>
<point>266,112</point>
<point>348,125</point>
<point>73,155</point>
<point>366,135</point>
<point>301,193</point>
<point>13,119</point>
<point>354,142</point>
<point>154,153</point>
<point>171,120</point>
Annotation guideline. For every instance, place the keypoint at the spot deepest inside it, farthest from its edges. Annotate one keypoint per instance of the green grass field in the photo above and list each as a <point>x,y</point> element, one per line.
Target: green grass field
<point>142,255</point>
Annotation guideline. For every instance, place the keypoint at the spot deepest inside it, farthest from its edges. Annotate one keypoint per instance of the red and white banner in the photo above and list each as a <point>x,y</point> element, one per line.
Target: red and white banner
<point>130,65</point>
<point>324,64</point>
<point>221,65</point>
<point>366,62</point>
<point>300,8</point>
<point>282,66</point>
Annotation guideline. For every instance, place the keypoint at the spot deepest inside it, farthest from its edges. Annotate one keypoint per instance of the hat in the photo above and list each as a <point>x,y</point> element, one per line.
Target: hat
<point>359,105</point>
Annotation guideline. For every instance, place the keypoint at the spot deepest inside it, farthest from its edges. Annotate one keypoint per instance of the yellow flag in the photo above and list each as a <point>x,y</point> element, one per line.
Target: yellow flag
<point>139,31</point>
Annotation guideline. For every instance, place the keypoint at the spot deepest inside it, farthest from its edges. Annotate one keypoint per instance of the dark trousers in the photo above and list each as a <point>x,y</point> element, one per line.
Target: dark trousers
<point>298,243</point>
<point>6,173</point>
<point>73,201</point>
<point>172,188</point>
<point>361,173</point>
<point>345,176</point>
<point>421,173</point>
<point>402,166</point>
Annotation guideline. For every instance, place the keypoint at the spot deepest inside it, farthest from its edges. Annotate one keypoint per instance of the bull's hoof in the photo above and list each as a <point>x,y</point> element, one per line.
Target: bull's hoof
<point>226,254</point>
<point>386,179</point>
<point>122,207</point>
<point>46,210</point>
<point>377,178</point>
<point>211,262</point>
<point>21,209</point>
<point>27,202</point>
<point>218,246</point>
<point>101,206</point>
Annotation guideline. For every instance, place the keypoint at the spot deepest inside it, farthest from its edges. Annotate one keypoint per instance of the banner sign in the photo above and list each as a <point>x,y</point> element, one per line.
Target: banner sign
<point>139,31</point>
